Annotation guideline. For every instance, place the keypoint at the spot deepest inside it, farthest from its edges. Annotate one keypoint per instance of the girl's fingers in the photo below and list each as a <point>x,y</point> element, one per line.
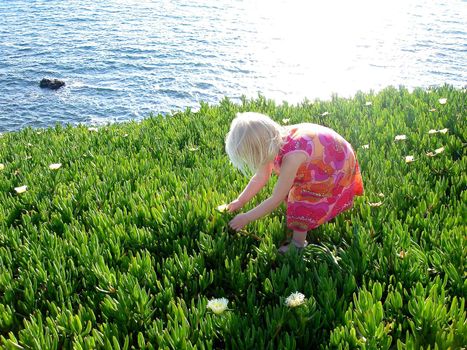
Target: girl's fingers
<point>234,226</point>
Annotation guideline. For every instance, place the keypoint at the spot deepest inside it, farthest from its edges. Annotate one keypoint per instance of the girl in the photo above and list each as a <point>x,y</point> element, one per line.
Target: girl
<point>318,172</point>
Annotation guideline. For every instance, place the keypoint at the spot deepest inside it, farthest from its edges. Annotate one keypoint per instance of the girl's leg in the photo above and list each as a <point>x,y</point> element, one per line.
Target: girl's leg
<point>299,238</point>
<point>298,241</point>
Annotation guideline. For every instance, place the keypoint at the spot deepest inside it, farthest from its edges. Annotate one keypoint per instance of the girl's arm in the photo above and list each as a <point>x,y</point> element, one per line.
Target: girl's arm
<point>256,183</point>
<point>289,168</point>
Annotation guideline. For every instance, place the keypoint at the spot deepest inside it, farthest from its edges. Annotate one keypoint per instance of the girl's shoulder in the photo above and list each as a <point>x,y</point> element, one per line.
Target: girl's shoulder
<point>304,136</point>
<point>298,139</point>
<point>308,129</point>
<point>299,132</point>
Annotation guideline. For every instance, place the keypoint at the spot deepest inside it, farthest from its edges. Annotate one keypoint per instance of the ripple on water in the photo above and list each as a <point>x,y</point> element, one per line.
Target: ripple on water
<point>123,59</point>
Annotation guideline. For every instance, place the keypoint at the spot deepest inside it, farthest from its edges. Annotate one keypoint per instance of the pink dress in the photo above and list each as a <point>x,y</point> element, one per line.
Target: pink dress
<point>326,184</point>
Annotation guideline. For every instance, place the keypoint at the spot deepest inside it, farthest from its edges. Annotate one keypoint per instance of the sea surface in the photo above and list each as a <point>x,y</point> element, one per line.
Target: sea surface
<point>124,59</point>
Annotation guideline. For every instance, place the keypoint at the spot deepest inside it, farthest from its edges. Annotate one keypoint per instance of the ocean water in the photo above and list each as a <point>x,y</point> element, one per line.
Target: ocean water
<point>123,59</point>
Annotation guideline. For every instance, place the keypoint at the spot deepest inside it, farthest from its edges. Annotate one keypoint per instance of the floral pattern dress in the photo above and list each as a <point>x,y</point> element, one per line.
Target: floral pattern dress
<point>326,184</point>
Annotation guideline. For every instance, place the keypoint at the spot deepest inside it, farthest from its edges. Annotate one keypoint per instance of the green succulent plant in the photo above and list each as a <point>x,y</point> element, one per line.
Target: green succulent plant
<point>121,246</point>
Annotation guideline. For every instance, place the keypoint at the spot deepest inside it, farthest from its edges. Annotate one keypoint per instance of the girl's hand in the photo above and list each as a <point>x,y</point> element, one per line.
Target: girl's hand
<point>234,206</point>
<point>239,221</point>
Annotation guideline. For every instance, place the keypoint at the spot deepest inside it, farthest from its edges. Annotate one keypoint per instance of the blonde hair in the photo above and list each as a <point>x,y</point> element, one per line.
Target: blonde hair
<point>254,139</point>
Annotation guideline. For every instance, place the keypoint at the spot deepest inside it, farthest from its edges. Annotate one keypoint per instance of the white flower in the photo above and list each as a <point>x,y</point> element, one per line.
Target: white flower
<point>443,101</point>
<point>366,146</point>
<point>2,166</point>
<point>93,129</point>
<point>400,137</point>
<point>368,103</point>
<point>21,189</point>
<point>285,121</point>
<point>409,159</point>
<point>55,166</point>
<point>437,151</point>
<point>324,114</point>
<point>222,208</point>
<point>295,299</point>
<point>218,306</point>
<point>442,131</point>
<point>376,204</point>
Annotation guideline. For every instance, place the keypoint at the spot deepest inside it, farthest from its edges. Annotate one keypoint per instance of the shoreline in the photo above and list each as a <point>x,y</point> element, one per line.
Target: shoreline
<point>237,100</point>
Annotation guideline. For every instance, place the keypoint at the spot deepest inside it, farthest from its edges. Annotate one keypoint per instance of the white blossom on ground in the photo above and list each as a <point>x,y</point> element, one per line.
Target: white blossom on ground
<point>93,129</point>
<point>222,208</point>
<point>443,101</point>
<point>55,166</point>
<point>2,166</point>
<point>218,306</point>
<point>400,137</point>
<point>285,121</point>
<point>366,146</point>
<point>295,299</point>
<point>21,189</point>
<point>409,159</point>
<point>437,151</point>
<point>442,131</point>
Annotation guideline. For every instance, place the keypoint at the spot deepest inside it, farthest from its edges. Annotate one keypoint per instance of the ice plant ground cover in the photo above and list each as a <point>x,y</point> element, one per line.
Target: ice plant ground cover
<point>122,247</point>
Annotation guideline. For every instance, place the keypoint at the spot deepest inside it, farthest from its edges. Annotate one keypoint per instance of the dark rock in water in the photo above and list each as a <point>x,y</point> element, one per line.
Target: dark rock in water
<point>53,84</point>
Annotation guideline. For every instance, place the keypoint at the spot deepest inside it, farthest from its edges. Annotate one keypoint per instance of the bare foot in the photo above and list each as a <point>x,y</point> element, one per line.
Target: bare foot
<point>293,244</point>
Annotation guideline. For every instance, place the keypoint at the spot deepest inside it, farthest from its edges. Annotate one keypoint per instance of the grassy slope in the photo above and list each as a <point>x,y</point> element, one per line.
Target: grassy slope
<point>122,244</point>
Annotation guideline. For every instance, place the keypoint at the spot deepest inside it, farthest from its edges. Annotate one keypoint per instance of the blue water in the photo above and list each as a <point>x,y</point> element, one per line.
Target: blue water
<point>123,59</point>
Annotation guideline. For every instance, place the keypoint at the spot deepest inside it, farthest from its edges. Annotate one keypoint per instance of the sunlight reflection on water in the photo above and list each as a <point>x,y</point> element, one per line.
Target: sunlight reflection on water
<point>124,59</point>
